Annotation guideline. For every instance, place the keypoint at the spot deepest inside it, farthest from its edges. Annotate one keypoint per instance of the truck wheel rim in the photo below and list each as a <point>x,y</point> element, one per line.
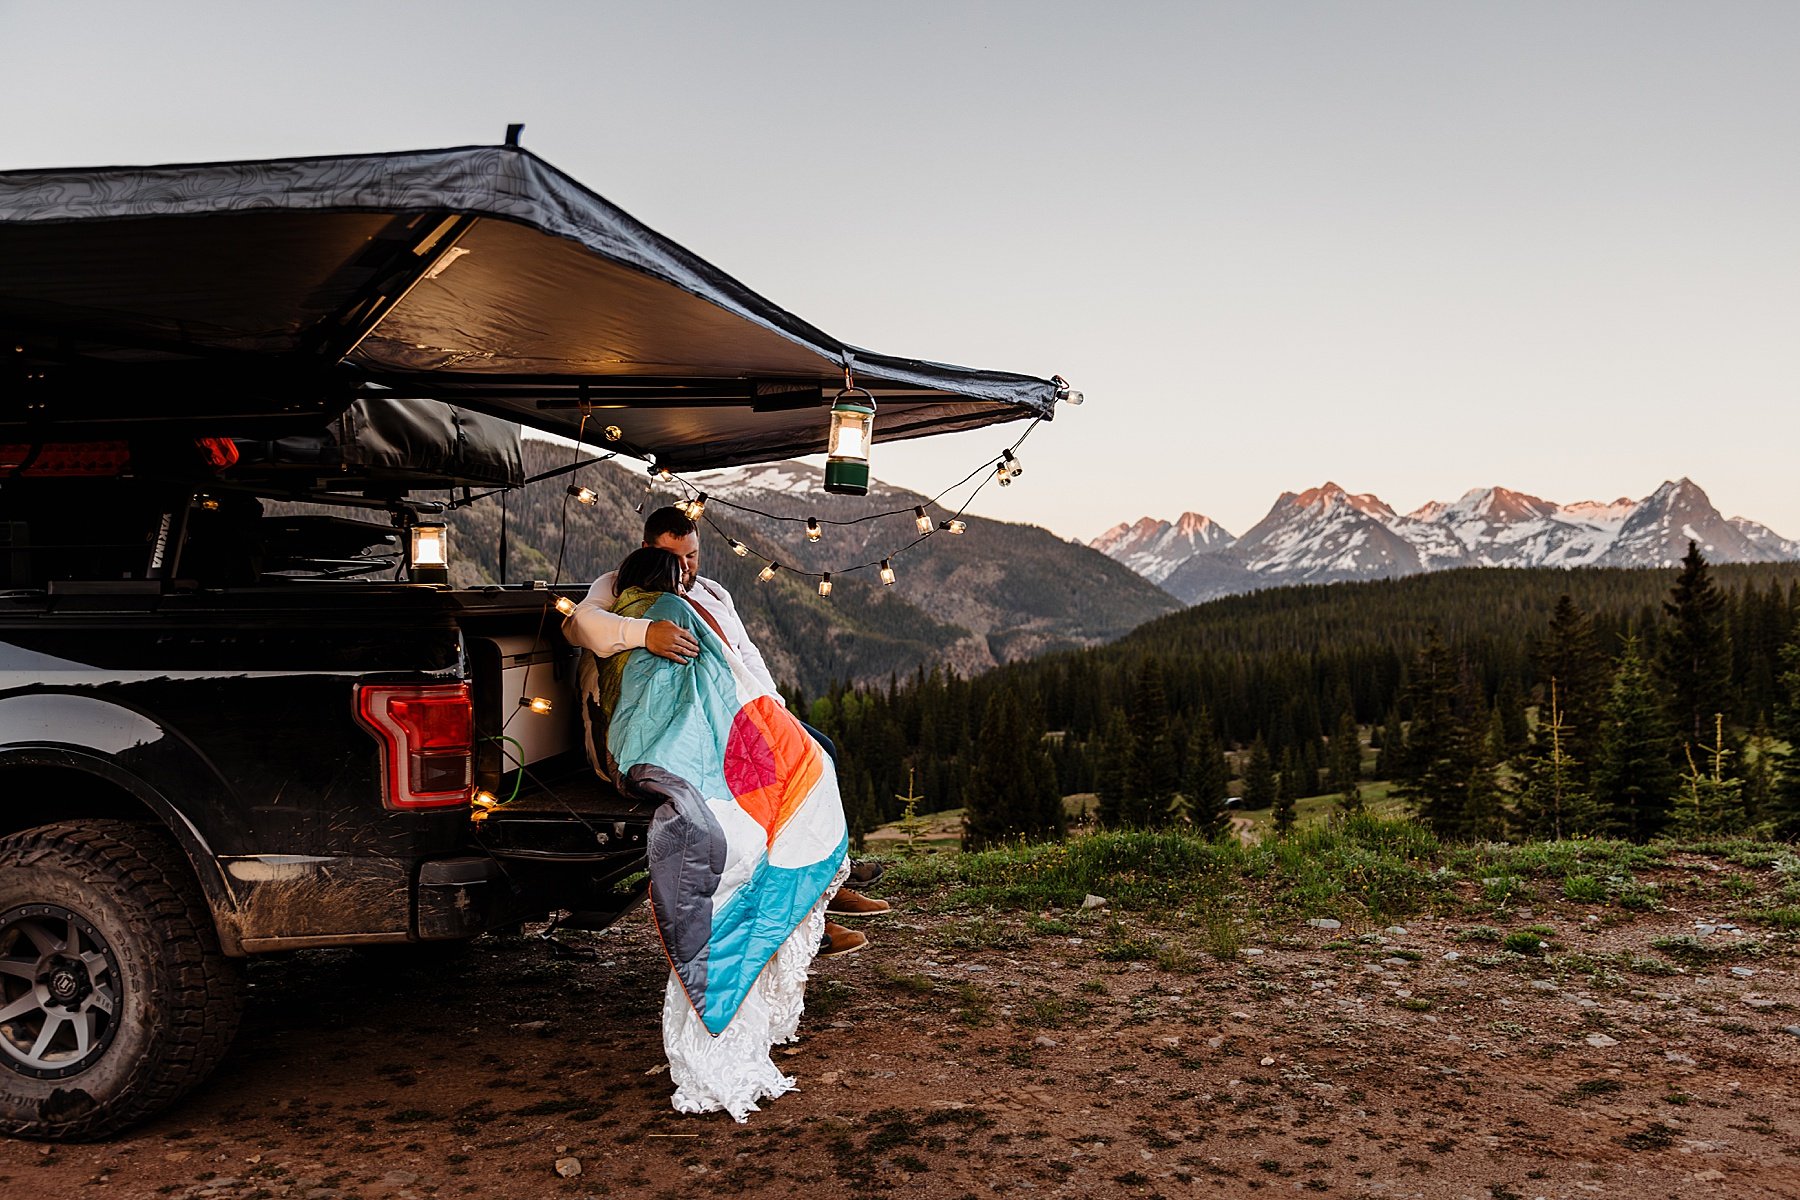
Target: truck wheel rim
<point>59,992</point>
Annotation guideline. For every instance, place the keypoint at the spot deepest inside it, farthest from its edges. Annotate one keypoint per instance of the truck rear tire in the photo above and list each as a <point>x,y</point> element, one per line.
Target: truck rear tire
<point>115,999</point>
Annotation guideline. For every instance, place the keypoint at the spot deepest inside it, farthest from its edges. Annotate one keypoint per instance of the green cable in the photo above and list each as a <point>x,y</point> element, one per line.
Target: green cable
<point>519,776</point>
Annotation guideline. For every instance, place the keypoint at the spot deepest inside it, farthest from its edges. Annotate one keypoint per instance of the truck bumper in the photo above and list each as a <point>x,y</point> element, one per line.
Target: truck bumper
<point>470,894</point>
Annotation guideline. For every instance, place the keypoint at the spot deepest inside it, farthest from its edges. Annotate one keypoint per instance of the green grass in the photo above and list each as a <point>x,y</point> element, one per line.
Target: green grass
<point>1362,865</point>
<point>1377,798</point>
<point>1354,868</point>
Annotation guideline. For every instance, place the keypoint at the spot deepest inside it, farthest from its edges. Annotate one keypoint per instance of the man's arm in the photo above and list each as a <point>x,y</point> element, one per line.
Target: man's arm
<point>607,633</point>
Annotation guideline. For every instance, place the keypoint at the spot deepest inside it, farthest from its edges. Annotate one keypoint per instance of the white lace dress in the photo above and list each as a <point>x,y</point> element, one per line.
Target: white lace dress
<point>733,1070</point>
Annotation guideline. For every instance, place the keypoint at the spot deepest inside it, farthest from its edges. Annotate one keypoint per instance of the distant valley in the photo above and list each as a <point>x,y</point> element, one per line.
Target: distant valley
<point>1326,534</point>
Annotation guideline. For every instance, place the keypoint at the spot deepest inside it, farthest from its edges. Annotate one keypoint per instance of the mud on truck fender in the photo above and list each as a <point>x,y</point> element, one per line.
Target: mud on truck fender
<point>116,996</point>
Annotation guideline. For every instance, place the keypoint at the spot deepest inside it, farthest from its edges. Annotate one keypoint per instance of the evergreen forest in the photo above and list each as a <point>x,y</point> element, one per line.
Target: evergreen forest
<point>1498,703</point>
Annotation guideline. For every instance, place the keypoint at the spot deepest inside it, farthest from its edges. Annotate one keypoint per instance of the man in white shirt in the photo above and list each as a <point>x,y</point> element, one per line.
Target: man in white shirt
<point>607,633</point>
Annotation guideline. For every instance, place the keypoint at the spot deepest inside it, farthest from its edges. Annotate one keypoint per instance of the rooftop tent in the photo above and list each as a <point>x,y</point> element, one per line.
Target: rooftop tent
<point>255,298</point>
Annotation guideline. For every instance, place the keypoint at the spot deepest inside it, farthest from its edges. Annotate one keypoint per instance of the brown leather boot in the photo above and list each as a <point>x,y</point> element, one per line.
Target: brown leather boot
<point>854,904</point>
<point>839,940</point>
<point>865,871</point>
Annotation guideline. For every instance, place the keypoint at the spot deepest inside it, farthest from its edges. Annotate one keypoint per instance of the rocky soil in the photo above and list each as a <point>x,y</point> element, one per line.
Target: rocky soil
<point>969,1053</point>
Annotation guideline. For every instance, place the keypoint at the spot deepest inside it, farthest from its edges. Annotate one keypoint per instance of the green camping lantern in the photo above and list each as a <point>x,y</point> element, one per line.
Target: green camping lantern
<point>847,454</point>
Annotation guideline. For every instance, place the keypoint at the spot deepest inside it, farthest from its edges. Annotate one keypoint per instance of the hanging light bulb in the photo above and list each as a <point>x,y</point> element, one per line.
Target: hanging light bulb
<point>1067,394</point>
<point>825,584</point>
<point>485,799</point>
<point>614,433</point>
<point>662,475</point>
<point>768,572</point>
<point>813,532</point>
<point>537,704</point>
<point>887,572</point>
<point>694,508</point>
<point>565,606</point>
<point>954,526</point>
<point>583,494</point>
<point>1009,468</point>
<point>738,548</point>
<point>847,449</point>
<point>920,519</point>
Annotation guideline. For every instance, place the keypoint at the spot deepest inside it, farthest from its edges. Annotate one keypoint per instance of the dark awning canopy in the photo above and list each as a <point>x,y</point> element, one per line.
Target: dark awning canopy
<point>261,296</point>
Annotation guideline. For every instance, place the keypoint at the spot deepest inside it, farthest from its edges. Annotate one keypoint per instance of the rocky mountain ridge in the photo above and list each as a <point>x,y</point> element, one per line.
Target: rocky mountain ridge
<point>1325,534</point>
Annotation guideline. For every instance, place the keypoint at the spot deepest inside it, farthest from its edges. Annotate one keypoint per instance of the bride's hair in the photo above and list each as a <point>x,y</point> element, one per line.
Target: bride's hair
<point>651,568</point>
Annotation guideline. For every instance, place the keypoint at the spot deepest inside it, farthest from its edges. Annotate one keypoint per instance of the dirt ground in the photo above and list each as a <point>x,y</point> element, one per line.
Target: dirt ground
<point>1023,1054</point>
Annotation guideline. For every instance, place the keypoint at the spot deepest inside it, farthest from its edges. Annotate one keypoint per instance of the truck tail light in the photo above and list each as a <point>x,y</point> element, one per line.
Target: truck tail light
<point>427,741</point>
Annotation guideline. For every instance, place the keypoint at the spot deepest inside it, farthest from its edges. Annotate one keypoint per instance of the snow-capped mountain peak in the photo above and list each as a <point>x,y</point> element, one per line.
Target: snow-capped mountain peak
<point>1327,533</point>
<point>1592,512</point>
<point>1329,496</point>
<point>1155,548</point>
<point>1498,505</point>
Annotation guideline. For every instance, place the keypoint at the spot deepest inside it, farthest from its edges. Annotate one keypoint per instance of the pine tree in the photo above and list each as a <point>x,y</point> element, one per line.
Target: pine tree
<point>1509,709</point>
<point>1154,773</point>
<point>1012,786</point>
<point>1207,780</point>
<point>1634,783</point>
<point>1759,778</point>
<point>1111,777</point>
<point>1784,804</point>
<point>1346,764</point>
<point>1259,777</point>
<point>1694,659</point>
<point>1292,782</point>
<point>1443,743</point>
<point>1283,814</point>
<point>1549,799</point>
<point>1483,819</point>
<point>1711,801</point>
<point>912,825</point>
<point>860,804</point>
<point>1392,747</point>
<point>1570,657</point>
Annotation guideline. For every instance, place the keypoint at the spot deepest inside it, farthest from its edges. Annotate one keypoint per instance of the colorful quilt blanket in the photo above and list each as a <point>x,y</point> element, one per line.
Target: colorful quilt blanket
<point>749,830</point>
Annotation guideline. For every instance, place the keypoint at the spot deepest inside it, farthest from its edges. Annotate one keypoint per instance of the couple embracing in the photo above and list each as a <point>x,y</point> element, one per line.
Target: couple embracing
<point>749,845</point>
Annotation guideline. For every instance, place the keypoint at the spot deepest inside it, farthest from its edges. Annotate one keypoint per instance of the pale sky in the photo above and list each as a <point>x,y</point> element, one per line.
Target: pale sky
<point>1410,247</point>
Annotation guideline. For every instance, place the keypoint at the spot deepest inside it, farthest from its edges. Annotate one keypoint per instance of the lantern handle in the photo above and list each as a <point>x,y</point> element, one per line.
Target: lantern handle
<point>849,388</point>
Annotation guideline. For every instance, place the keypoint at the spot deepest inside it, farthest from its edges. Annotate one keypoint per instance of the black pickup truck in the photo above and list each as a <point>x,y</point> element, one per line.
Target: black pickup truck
<point>242,708</point>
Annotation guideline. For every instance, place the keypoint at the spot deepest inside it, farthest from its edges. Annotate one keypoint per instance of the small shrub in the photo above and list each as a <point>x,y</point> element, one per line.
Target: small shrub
<point>1479,933</point>
<point>974,1003</point>
<point>1785,918</point>
<point>1598,1087</point>
<point>1738,887</point>
<point>1685,947</point>
<point>1523,941</point>
<point>1584,889</point>
<point>1503,889</point>
<point>1221,936</point>
<point>1044,1012</point>
<point>1121,945</point>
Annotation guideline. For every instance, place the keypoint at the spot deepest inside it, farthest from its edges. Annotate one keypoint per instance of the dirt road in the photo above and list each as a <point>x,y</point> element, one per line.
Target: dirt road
<point>972,1054</point>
